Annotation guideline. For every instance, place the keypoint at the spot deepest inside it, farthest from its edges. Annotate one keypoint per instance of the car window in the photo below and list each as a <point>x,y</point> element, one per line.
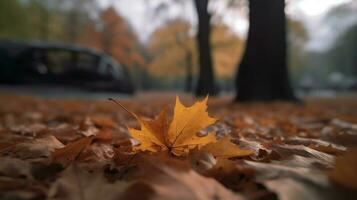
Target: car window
<point>37,62</point>
<point>58,61</point>
<point>116,65</point>
<point>113,71</point>
<point>109,67</point>
<point>87,62</point>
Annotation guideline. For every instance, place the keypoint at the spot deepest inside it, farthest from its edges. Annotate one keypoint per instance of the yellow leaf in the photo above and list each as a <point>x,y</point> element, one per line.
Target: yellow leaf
<point>180,135</point>
<point>187,122</point>
<point>224,148</point>
<point>152,134</point>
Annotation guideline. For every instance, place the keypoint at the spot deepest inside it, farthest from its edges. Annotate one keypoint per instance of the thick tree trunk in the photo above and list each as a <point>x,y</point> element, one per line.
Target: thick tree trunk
<point>205,83</point>
<point>263,72</point>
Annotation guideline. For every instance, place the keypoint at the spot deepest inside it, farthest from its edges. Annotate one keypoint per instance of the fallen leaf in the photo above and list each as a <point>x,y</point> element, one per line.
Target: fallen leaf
<point>15,168</point>
<point>317,144</point>
<point>291,189</point>
<point>87,127</point>
<point>343,124</point>
<point>40,147</point>
<point>344,172</point>
<point>301,161</point>
<point>326,149</point>
<point>180,135</point>
<point>173,184</point>
<point>75,183</point>
<point>20,188</point>
<point>71,151</point>
<point>288,150</point>
<point>30,130</point>
<point>104,136</point>
<point>268,171</point>
<point>232,175</point>
<point>97,152</point>
<point>224,148</point>
<point>102,121</point>
<point>202,161</point>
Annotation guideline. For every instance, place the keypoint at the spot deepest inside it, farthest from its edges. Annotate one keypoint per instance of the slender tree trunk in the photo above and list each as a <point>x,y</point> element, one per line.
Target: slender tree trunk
<point>73,26</point>
<point>205,83</point>
<point>263,72</point>
<point>45,22</point>
<point>189,73</point>
<point>354,58</point>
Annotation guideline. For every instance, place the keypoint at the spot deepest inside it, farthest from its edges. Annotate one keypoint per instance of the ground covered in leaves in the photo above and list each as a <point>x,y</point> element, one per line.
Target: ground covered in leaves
<point>94,149</point>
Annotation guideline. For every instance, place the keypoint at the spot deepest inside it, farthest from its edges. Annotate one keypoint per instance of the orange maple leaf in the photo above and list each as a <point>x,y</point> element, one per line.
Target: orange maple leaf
<point>180,135</point>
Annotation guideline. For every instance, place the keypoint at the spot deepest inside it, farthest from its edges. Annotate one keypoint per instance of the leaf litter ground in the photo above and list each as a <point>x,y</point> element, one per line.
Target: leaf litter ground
<point>92,149</point>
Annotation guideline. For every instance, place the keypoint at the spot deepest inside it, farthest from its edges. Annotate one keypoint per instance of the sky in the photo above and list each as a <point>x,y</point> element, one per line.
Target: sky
<point>310,12</point>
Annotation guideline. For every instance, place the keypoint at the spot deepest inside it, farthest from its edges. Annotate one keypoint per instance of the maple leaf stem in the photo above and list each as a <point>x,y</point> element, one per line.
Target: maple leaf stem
<point>121,105</point>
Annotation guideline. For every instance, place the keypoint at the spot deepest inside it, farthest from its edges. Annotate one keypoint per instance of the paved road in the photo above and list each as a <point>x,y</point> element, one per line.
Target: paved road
<point>58,92</point>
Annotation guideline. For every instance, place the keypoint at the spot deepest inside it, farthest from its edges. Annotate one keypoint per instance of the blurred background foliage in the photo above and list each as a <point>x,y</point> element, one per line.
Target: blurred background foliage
<point>168,58</point>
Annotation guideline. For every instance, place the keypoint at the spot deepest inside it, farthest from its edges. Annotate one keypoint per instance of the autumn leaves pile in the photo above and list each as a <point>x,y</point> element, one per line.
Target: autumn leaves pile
<point>176,137</point>
<point>59,149</point>
<point>164,155</point>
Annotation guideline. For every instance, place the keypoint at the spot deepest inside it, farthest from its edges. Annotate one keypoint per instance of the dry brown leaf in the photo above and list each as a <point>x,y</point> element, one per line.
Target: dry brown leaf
<point>71,151</point>
<point>232,175</point>
<point>97,152</point>
<point>180,135</point>
<point>224,148</point>
<point>344,172</point>
<point>104,135</point>
<point>87,127</point>
<point>326,149</point>
<point>173,184</point>
<point>15,168</point>
<point>75,183</point>
<point>202,161</point>
<point>289,150</point>
<point>20,188</point>
<point>40,147</point>
<point>268,171</point>
<point>291,189</point>
<point>102,122</point>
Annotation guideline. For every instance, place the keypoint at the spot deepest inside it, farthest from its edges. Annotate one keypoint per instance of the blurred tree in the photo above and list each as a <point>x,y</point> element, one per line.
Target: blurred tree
<point>338,55</point>
<point>13,20</point>
<point>77,13</point>
<point>297,53</point>
<point>46,20</point>
<point>41,17</point>
<point>207,58</point>
<point>172,48</point>
<point>343,54</point>
<point>206,82</point>
<point>226,45</point>
<point>171,54</point>
<point>113,35</point>
<point>263,73</point>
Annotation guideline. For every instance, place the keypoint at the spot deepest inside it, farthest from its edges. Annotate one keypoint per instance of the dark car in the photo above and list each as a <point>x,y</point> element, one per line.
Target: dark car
<point>39,63</point>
